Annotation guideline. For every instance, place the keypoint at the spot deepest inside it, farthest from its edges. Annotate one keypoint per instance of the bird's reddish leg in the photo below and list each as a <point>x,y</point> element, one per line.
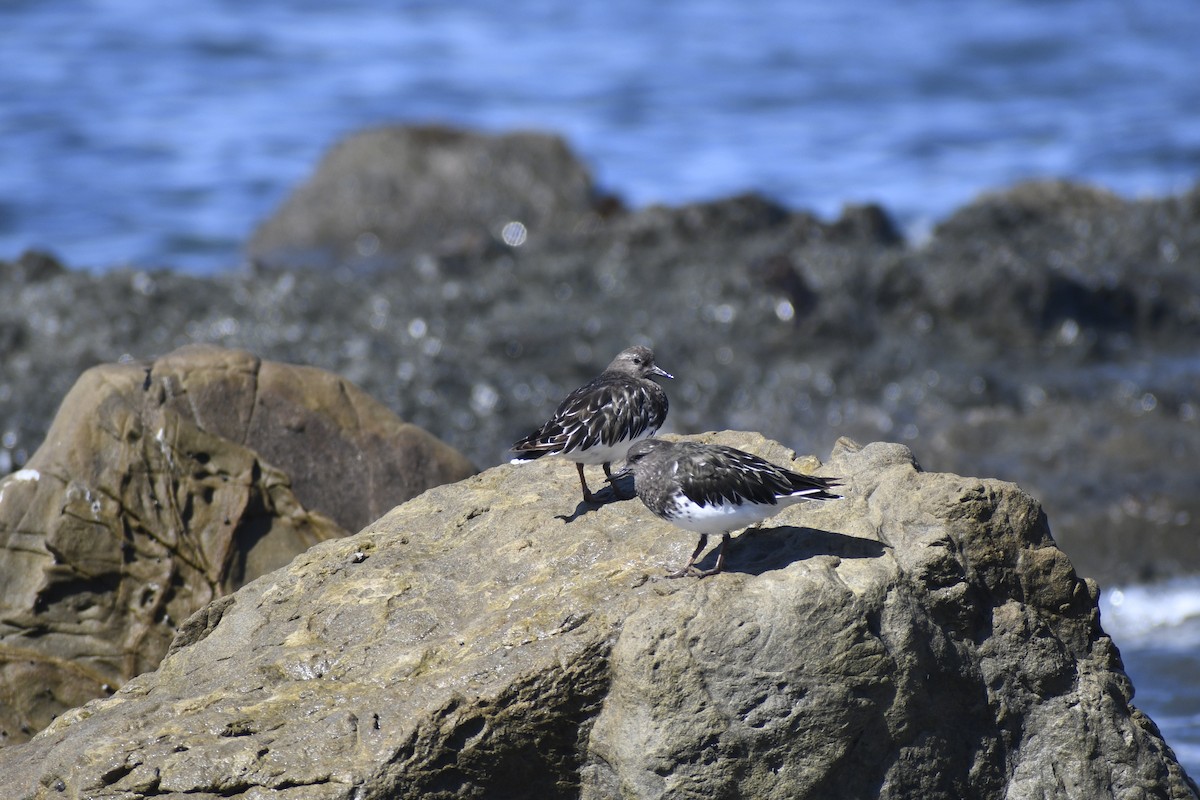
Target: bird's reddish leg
<point>720,565</point>
<point>587,493</point>
<point>687,568</point>
<point>608,474</point>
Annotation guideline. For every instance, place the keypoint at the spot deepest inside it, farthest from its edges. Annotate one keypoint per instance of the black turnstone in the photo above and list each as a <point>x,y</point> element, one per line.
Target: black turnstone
<point>711,488</point>
<point>598,422</point>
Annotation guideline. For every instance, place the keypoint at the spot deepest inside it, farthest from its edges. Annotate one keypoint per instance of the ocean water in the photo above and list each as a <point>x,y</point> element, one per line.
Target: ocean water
<point>1157,628</point>
<point>139,133</point>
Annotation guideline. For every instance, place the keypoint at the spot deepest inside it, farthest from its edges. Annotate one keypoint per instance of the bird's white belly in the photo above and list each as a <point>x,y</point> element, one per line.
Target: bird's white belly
<point>721,518</point>
<point>606,454</point>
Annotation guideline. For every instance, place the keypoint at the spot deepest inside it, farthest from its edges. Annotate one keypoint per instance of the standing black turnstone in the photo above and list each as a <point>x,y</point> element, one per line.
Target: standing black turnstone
<point>598,422</point>
<point>710,488</point>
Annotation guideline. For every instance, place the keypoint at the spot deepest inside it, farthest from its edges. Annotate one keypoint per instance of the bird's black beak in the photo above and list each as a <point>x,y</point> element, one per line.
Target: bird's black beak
<point>657,370</point>
<point>616,476</point>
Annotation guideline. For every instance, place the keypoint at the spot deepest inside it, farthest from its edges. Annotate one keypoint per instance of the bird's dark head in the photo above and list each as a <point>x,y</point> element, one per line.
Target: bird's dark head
<point>637,361</point>
<point>638,455</point>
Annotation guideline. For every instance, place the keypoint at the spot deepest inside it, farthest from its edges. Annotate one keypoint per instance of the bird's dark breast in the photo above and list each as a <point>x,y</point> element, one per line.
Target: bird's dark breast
<point>662,505</point>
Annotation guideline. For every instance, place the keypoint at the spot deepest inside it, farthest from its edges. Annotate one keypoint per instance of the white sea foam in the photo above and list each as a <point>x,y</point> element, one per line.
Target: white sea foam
<point>1165,614</point>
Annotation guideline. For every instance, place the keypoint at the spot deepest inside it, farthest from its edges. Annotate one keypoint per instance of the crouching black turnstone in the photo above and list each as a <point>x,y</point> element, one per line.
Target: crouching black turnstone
<point>709,489</point>
<point>598,422</point>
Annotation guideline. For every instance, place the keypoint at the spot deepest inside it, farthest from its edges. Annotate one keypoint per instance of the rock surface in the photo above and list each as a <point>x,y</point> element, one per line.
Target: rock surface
<point>922,637</point>
<point>164,485</point>
<point>1044,333</point>
<point>430,189</point>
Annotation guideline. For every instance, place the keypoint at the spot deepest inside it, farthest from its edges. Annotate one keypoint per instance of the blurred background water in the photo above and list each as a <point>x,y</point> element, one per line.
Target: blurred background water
<point>159,136</point>
<point>1157,628</point>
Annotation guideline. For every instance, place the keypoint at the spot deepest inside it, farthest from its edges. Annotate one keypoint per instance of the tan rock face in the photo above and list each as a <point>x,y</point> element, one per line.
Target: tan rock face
<point>922,637</point>
<point>163,486</point>
<point>346,455</point>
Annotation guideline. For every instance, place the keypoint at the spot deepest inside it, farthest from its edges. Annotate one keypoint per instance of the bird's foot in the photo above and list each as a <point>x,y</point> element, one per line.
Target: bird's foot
<point>692,569</point>
<point>693,572</point>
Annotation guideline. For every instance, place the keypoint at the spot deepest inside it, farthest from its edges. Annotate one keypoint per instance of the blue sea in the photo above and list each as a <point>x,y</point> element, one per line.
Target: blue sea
<point>159,135</point>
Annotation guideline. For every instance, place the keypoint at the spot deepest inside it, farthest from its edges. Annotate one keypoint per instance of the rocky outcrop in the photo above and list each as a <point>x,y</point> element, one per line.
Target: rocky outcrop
<point>429,189</point>
<point>923,637</point>
<point>1043,333</point>
<point>164,485</point>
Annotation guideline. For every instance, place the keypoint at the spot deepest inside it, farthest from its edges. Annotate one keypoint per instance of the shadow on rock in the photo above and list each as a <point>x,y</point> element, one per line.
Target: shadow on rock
<point>765,549</point>
<point>604,497</point>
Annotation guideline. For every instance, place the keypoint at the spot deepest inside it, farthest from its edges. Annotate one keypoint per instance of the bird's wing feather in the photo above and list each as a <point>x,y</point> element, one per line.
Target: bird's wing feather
<point>603,412</point>
<point>722,474</point>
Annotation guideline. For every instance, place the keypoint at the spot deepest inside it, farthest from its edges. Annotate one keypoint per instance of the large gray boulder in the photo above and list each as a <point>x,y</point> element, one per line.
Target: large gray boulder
<point>922,637</point>
<point>164,485</point>
<point>394,190</point>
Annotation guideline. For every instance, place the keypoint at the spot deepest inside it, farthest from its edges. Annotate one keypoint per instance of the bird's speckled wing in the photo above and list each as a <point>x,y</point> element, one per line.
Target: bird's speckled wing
<point>717,474</point>
<point>603,412</point>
